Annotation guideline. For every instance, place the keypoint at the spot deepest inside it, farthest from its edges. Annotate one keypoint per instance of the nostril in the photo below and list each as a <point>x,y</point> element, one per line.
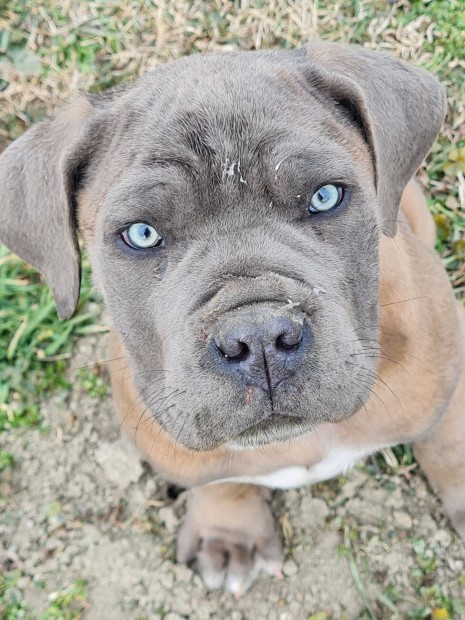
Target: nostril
<point>235,352</point>
<point>288,342</point>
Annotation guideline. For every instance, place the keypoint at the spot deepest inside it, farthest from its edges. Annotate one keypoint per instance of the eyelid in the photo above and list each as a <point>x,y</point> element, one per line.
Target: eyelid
<point>120,228</point>
<point>124,236</point>
<point>343,184</point>
<point>346,191</point>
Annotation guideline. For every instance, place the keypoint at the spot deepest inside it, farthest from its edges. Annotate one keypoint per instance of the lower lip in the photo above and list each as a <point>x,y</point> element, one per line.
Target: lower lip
<point>275,419</point>
<point>278,417</point>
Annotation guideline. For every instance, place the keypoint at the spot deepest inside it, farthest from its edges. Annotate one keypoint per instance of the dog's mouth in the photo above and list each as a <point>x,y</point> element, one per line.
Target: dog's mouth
<point>265,361</point>
<point>273,429</point>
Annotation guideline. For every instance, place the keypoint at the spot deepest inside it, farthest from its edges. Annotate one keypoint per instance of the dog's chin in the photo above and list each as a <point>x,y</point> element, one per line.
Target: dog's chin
<point>275,430</point>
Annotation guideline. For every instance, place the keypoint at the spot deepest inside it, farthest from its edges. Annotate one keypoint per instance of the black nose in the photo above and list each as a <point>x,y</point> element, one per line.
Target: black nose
<point>261,348</point>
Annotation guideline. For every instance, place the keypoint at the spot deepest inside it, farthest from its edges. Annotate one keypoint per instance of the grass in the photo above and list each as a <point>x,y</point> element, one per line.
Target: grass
<point>50,49</point>
<point>34,345</point>
<point>68,604</point>
<point>12,604</point>
<point>381,599</point>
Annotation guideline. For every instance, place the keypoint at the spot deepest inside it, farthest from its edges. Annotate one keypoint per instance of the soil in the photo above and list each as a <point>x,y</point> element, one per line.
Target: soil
<point>80,505</point>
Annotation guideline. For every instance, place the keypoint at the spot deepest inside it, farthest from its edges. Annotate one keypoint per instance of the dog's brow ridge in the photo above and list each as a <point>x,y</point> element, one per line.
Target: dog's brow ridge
<point>164,162</point>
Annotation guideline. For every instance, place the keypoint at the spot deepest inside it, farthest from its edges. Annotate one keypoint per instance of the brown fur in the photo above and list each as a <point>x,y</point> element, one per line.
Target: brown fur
<point>406,336</point>
<point>222,155</point>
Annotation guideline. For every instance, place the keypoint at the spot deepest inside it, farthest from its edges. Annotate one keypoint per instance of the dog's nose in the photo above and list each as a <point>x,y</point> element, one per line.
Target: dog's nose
<point>272,336</point>
<point>260,349</point>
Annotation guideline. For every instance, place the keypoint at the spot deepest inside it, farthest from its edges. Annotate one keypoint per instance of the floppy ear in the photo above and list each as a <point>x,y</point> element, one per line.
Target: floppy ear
<point>38,174</point>
<point>399,108</point>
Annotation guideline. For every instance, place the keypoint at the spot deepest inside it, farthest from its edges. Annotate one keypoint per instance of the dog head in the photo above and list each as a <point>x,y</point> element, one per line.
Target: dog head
<point>232,207</point>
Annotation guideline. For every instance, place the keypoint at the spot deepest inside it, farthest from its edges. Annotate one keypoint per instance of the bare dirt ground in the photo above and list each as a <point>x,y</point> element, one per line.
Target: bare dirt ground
<point>80,505</point>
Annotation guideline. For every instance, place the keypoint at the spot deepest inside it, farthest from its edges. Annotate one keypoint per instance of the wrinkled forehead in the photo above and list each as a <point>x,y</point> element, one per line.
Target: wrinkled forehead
<point>227,106</point>
<point>220,124</point>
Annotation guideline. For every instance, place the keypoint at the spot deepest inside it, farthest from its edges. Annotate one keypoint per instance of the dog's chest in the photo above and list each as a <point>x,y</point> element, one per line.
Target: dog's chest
<point>336,462</point>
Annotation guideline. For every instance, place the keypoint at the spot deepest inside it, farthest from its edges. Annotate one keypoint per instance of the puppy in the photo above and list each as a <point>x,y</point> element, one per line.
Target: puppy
<point>276,316</point>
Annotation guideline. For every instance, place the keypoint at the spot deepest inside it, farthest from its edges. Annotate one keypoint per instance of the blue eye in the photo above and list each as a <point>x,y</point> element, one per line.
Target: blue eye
<point>141,236</point>
<point>326,198</point>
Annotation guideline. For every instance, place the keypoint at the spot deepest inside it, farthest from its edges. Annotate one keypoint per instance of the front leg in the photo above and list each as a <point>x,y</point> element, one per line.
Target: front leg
<point>228,536</point>
<point>442,458</point>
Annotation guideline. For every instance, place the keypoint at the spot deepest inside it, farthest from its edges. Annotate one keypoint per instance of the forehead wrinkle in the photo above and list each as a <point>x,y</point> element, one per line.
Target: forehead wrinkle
<point>211,139</point>
<point>138,189</point>
<point>332,157</point>
<point>203,136</point>
<point>156,162</point>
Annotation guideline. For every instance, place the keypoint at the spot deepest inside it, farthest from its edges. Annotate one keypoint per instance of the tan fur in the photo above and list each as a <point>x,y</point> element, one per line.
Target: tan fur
<point>411,380</point>
<point>175,309</point>
<point>414,208</point>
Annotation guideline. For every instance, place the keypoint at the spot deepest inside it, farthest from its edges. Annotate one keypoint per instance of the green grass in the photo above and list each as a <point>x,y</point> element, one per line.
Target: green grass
<point>93,382</point>
<point>34,344</point>
<point>381,599</point>
<point>7,461</point>
<point>12,604</point>
<point>68,604</point>
<point>51,48</point>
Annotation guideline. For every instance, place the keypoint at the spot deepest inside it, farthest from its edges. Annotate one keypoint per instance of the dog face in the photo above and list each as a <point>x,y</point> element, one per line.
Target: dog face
<point>249,322</point>
<point>232,207</point>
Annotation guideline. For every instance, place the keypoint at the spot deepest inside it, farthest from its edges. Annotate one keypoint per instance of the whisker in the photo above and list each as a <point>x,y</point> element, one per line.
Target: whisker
<point>402,301</point>
<point>378,378</point>
<point>382,357</point>
<point>139,399</point>
<point>141,372</point>
<point>162,428</point>
<point>102,362</point>
<point>370,388</point>
<point>181,429</point>
<point>363,405</point>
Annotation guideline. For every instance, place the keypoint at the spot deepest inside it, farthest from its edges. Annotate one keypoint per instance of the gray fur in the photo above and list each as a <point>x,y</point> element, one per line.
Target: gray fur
<point>221,153</point>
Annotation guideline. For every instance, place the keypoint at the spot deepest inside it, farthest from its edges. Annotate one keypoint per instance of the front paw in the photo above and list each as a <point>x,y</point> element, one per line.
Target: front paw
<point>229,550</point>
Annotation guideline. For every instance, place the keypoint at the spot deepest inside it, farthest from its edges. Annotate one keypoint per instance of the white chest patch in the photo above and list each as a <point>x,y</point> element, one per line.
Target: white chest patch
<point>336,462</point>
